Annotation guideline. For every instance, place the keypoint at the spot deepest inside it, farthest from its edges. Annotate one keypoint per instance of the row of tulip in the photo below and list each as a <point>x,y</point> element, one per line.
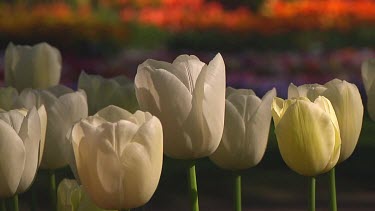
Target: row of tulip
<point>187,113</point>
<point>273,17</point>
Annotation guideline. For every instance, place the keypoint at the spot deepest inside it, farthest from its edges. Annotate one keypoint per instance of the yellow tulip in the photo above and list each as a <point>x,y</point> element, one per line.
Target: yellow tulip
<point>37,66</point>
<point>347,103</point>
<point>307,133</point>
<point>246,128</point>
<point>118,156</point>
<point>188,97</point>
<point>21,149</point>
<point>72,197</point>
<point>102,92</point>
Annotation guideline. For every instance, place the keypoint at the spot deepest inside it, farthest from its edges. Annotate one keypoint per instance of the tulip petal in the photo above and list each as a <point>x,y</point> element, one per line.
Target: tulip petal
<point>347,102</point>
<point>142,163</point>
<point>43,129</point>
<point>162,94</point>
<point>11,168</point>
<point>368,76</point>
<point>257,128</point>
<point>226,155</point>
<point>206,122</point>
<point>30,134</point>
<point>190,67</point>
<point>113,113</point>
<point>307,146</point>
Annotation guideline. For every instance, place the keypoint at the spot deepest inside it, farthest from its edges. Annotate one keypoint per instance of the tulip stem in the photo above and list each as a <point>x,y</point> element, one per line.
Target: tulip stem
<point>237,191</point>
<point>332,181</point>
<point>52,180</point>
<point>312,194</point>
<point>2,205</point>
<point>193,190</point>
<point>15,202</point>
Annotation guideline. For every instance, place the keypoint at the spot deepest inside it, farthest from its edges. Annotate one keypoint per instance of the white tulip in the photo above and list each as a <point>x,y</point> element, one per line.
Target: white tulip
<point>37,66</point>
<point>21,149</point>
<point>118,156</point>
<point>188,97</point>
<point>246,129</point>
<point>102,92</point>
<point>64,107</point>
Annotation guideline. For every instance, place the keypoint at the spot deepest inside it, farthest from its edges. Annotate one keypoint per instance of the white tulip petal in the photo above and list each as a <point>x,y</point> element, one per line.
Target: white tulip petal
<point>113,113</point>
<point>174,104</point>
<point>30,134</point>
<point>347,102</point>
<point>368,76</point>
<point>11,168</point>
<point>208,121</point>
<point>43,130</point>
<point>226,155</point>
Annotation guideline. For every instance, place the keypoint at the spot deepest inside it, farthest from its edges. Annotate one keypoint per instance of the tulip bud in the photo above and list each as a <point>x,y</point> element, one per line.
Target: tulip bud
<point>101,92</point>
<point>307,133</point>
<point>118,156</point>
<point>37,66</point>
<point>21,149</point>
<point>246,129</point>
<point>72,197</point>
<point>188,97</point>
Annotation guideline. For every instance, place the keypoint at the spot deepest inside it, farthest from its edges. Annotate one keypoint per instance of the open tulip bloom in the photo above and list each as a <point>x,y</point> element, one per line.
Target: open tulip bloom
<point>347,103</point>
<point>21,149</point>
<point>188,97</point>
<point>245,136</point>
<point>308,136</point>
<point>118,156</point>
<point>37,66</point>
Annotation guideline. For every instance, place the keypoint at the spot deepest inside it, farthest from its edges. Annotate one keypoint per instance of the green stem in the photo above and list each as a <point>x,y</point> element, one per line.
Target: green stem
<point>15,202</point>
<point>193,190</point>
<point>52,180</point>
<point>332,185</point>
<point>311,193</point>
<point>237,191</point>
<point>2,205</point>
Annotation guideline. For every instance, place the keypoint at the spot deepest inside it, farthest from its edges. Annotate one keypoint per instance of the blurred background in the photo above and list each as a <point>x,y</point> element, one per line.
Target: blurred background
<point>265,44</point>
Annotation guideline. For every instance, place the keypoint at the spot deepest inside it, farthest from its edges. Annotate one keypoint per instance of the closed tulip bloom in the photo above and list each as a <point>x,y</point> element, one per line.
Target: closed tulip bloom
<point>307,133</point>
<point>246,129</point>
<point>37,66</point>
<point>347,103</point>
<point>368,78</point>
<point>64,108</point>
<point>21,149</point>
<point>102,92</point>
<point>188,97</point>
<point>118,156</point>
<point>72,197</point>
